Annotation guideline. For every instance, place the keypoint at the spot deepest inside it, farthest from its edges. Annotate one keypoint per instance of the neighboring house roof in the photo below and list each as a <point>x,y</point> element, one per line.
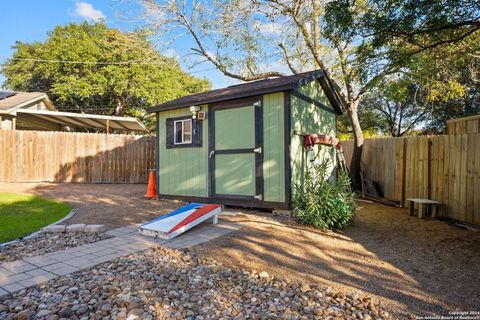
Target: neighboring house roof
<point>253,88</point>
<point>16,100</point>
<point>16,104</point>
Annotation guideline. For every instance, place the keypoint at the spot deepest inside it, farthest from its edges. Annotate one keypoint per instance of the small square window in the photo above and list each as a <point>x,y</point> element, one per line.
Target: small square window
<point>183,131</point>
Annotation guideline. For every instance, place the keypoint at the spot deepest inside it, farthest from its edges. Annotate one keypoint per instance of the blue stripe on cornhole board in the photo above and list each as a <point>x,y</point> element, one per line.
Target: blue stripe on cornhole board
<point>189,206</point>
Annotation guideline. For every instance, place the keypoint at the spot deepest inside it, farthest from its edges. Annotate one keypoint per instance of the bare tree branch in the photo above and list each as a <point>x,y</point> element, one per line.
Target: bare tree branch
<point>202,51</point>
<point>288,58</point>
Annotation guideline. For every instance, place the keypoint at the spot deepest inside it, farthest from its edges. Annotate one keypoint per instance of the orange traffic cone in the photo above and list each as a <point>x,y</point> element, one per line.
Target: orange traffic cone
<point>151,189</point>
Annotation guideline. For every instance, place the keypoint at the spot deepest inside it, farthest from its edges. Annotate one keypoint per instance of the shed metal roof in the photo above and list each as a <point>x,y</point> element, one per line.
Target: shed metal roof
<point>256,88</point>
<point>14,105</point>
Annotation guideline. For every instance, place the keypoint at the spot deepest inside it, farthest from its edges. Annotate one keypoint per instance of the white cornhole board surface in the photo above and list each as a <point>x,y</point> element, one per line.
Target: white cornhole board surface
<point>177,222</point>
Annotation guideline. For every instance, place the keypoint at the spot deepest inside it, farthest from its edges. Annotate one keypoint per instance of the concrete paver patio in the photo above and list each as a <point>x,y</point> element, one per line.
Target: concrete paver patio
<point>30,271</point>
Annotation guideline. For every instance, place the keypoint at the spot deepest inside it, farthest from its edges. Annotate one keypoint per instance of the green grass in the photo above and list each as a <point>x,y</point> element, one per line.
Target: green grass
<point>22,214</point>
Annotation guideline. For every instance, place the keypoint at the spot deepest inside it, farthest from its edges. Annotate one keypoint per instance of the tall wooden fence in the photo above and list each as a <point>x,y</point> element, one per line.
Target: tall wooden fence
<point>444,168</point>
<point>464,125</point>
<point>37,156</point>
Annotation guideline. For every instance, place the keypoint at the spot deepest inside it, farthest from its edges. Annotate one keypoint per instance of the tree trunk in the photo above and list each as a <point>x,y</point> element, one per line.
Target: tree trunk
<point>119,108</point>
<point>355,166</point>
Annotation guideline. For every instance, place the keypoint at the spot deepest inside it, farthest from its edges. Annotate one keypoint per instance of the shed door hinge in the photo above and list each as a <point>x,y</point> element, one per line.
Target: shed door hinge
<point>259,197</point>
<point>257,104</point>
<point>258,150</point>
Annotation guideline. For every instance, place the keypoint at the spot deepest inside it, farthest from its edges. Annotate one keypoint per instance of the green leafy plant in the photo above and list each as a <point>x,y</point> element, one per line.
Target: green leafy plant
<point>322,202</point>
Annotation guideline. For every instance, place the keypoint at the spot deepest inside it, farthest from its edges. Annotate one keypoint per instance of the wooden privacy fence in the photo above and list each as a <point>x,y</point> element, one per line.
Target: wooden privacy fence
<point>464,125</point>
<point>36,156</point>
<point>444,168</point>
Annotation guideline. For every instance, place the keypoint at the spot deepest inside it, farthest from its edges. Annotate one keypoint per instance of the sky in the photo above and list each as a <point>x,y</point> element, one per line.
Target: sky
<point>30,20</point>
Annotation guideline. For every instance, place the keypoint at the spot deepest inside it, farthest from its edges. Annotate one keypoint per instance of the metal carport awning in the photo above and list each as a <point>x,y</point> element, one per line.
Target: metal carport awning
<point>80,120</point>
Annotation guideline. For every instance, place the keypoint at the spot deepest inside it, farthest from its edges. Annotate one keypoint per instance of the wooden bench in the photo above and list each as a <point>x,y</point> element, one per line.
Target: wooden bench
<point>430,205</point>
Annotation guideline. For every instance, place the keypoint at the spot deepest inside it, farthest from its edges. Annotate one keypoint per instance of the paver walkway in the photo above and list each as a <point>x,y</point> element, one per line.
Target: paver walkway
<point>30,271</point>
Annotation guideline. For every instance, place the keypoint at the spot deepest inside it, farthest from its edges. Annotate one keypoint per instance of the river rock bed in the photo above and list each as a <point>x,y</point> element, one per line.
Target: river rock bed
<point>47,242</point>
<point>162,283</point>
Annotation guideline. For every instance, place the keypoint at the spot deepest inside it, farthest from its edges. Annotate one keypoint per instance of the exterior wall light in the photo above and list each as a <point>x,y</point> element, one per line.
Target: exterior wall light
<point>194,110</point>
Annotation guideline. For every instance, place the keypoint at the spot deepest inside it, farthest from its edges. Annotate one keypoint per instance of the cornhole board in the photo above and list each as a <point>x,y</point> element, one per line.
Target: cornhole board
<point>177,222</point>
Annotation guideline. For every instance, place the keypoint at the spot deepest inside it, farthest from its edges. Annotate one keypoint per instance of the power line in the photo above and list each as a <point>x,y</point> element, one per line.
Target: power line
<point>73,107</point>
<point>139,62</point>
<point>83,109</point>
<point>90,62</point>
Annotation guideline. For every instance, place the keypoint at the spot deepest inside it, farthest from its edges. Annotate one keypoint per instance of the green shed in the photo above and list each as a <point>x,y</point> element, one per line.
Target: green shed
<point>237,145</point>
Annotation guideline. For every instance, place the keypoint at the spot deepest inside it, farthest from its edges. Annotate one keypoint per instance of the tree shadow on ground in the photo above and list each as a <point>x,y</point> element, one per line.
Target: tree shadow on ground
<point>415,267</point>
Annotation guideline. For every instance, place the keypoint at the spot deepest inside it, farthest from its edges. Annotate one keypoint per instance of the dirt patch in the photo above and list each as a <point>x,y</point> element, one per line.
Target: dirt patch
<point>413,266</point>
<point>113,205</point>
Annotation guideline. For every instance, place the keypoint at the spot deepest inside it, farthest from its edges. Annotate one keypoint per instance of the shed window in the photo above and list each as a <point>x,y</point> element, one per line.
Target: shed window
<point>183,132</point>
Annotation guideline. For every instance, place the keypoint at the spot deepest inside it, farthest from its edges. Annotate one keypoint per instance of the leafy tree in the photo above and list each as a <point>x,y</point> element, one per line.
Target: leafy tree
<point>92,68</point>
<point>394,108</point>
<point>246,40</point>
<point>399,105</point>
<point>462,105</point>
<point>448,77</point>
<point>434,87</point>
<point>385,36</point>
<point>418,25</point>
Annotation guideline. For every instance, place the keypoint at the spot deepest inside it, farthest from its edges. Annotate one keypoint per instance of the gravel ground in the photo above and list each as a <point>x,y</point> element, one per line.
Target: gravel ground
<point>170,284</point>
<point>46,243</point>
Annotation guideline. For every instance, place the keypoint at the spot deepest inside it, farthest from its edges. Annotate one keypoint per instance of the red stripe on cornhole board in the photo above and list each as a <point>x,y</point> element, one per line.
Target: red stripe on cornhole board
<point>195,215</point>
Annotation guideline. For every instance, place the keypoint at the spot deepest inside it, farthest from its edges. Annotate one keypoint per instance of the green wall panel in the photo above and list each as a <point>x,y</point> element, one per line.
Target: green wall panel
<point>239,124</point>
<point>183,171</point>
<point>306,117</point>
<point>235,174</point>
<point>273,145</point>
<point>315,91</point>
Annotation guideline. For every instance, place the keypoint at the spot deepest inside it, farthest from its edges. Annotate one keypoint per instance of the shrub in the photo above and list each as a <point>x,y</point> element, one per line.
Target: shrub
<point>323,203</point>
